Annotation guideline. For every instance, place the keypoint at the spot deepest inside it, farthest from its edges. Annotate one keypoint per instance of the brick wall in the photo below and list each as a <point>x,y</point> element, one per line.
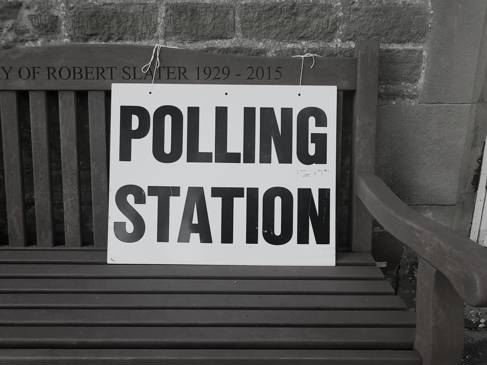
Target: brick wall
<point>264,27</point>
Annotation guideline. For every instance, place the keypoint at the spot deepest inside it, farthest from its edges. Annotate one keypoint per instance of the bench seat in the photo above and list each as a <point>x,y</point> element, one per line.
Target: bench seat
<point>69,307</point>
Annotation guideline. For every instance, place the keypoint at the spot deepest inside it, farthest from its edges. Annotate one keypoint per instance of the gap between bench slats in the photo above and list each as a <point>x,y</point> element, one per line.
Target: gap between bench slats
<point>201,301</point>
<point>207,357</point>
<point>196,286</point>
<point>206,337</point>
<point>206,317</point>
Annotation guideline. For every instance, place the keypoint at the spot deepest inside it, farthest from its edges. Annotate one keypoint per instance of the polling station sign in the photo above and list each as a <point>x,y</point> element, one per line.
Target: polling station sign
<point>222,174</point>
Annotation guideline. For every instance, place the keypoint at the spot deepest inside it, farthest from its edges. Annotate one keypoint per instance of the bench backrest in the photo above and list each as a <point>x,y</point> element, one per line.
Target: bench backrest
<point>54,111</point>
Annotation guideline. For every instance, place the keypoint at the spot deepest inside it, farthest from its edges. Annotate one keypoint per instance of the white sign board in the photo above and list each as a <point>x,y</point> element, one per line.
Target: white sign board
<point>222,174</point>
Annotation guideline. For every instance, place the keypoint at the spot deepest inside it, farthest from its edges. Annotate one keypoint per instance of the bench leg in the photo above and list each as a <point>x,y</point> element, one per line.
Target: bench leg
<point>439,318</point>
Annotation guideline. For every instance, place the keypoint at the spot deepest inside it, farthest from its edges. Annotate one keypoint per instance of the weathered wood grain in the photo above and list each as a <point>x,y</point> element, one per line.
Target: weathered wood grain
<point>70,168</point>
<point>205,317</point>
<point>207,357</point>
<point>203,337</point>
<point>194,301</point>
<point>26,270</point>
<point>40,161</point>
<point>338,177</point>
<point>100,65</point>
<point>12,161</point>
<point>363,136</point>
<point>439,333</point>
<point>98,166</point>
<point>193,286</point>
<point>459,259</point>
<point>90,256</point>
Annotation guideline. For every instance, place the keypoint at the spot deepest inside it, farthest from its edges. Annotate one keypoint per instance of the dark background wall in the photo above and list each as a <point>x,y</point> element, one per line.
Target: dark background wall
<point>432,67</point>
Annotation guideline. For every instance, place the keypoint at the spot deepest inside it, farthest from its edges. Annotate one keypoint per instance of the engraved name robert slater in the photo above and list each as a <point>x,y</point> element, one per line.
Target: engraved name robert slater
<point>128,72</point>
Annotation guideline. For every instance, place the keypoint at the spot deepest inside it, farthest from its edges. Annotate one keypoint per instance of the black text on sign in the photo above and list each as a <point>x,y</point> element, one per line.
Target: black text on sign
<point>222,174</point>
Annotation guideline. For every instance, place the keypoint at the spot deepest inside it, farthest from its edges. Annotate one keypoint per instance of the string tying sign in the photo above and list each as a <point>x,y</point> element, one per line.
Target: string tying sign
<point>222,174</point>
<point>156,59</point>
<point>155,55</point>
<point>303,57</point>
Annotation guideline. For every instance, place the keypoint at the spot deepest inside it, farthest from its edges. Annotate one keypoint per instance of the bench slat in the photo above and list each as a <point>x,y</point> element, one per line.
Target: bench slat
<point>207,337</point>
<point>192,301</point>
<point>339,141</point>
<point>195,286</point>
<point>99,167</point>
<point>188,271</point>
<point>99,256</point>
<point>40,161</point>
<point>205,317</point>
<point>207,357</point>
<point>12,161</point>
<point>69,166</point>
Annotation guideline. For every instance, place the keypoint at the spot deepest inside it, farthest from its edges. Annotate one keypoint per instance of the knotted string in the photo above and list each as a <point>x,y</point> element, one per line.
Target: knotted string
<point>156,51</point>
<point>155,55</point>
<point>303,56</point>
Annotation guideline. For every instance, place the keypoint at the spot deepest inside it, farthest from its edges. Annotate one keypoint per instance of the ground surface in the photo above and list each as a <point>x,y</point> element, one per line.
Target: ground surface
<point>475,352</point>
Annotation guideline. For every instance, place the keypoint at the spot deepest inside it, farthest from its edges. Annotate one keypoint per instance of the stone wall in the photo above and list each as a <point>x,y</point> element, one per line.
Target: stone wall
<point>326,27</point>
<point>429,65</point>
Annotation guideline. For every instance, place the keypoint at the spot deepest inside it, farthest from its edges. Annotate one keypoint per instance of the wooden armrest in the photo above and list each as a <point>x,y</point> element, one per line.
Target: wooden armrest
<point>460,260</point>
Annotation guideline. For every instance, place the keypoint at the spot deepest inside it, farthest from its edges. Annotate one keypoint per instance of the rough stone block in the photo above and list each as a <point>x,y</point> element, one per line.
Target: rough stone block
<point>483,94</point>
<point>474,149</point>
<point>390,21</point>
<point>469,180</point>
<point>112,22</point>
<point>199,21</point>
<point>289,20</point>
<point>480,130</point>
<point>400,91</point>
<point>27,21</point>
<point>400,65</point>
<point>9,10</point>
<point>322,51</point>
<point>236,50</point>
<point>420,149</point>
<point>457,52</point>
<point>9,28</point>
<point>44,23</point>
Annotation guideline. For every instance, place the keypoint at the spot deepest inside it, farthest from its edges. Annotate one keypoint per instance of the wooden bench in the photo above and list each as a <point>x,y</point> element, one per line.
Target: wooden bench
<point>61,304</point>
